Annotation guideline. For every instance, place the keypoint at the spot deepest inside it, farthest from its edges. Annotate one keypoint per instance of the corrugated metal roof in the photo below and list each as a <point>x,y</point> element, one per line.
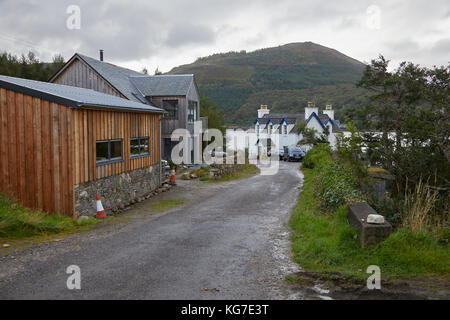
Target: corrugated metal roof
<point>72,96</point>
<point>163,85</point>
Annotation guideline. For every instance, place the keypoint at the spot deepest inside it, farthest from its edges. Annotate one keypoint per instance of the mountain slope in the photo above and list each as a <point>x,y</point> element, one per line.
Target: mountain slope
<point>284,77</point>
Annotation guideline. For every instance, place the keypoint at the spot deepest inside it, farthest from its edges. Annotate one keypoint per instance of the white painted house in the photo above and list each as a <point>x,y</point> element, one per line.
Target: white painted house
<point>282,128</point>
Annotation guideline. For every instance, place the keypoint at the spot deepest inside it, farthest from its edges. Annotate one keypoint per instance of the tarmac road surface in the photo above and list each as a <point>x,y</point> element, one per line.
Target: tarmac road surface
<point>229,241</point>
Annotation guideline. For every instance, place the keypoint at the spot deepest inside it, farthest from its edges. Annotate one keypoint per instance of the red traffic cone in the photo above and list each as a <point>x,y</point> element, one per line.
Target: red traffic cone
<point>172,176</point>
<point>100,211</point>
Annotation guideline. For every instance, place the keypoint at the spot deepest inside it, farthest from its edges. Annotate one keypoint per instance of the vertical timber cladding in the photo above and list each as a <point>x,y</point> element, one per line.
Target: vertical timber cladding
<point>91,125</point>
<point>35,152</point>
<point>47,148</point>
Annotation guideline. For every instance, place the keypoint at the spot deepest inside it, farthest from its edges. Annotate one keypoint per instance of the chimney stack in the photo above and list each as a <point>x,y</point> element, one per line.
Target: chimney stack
<point>310,109</point>
<point>263,111</point>
<point>101,54</point>
<point>329,111</point>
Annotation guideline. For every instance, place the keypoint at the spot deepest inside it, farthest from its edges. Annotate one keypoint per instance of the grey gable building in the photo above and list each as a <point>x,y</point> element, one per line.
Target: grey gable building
<point>177,94</point>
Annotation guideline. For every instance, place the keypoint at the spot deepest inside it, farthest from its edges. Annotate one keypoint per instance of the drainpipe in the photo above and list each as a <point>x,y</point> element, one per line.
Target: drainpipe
<point>159,164</point>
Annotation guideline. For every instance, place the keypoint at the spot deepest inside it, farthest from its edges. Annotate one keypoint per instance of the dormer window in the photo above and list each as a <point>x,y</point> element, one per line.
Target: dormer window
<point>269,128</point>
<point>284,128</point>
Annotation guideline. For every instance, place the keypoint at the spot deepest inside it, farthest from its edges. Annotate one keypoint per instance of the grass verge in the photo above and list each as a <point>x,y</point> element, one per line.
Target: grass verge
<point>164,204</point>
<point>245,171</point>
<point>325,242</point>
<point>17,222</point>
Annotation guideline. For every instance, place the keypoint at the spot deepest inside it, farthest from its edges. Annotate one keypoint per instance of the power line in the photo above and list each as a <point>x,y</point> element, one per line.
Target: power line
<point>26,43</point>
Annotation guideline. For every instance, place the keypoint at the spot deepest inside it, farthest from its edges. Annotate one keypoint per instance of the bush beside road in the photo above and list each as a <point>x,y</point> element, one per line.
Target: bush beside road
<point>323,240</point>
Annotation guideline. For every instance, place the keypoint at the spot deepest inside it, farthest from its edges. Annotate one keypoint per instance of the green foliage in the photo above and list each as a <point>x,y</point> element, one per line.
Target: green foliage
<point>336,185</point>
<point>284,78</point>
<point>19,222</point>
<point>318,155</point>
<point>172,164</point>
<point>214,114</point>
<point>202,173</point>
<point>29,66</point>
<point>162,205</point>
<point>327,243</point>
<point>350,151</point>
<point>390,208</point>
<point>410,107</point>
<point>244,171</point>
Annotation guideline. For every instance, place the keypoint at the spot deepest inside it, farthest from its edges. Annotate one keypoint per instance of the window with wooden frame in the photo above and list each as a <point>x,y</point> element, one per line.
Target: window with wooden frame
<point>108,151</point>
<point>192,111</point>
<point>139,147</point>
<point>171,106</point>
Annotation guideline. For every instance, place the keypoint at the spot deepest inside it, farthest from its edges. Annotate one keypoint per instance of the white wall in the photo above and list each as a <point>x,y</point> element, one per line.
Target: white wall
<point>309,112</point>
<point>330,113</point>
<point>314,124</point>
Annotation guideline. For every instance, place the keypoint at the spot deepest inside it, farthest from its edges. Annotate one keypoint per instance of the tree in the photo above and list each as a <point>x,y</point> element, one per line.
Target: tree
<point>410,107</point>
<point>310,135</point>
<point>212,111</point>
<point>157,72</point>
<point>28,66</point>
<point>144,70</point>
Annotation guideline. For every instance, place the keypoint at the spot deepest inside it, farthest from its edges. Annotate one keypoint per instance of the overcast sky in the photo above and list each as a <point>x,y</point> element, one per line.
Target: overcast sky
<point>168,33</point>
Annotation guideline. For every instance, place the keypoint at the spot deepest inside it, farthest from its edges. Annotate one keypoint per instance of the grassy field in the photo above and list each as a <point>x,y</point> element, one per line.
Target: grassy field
<point>325,242</point>
<point>17,222</point>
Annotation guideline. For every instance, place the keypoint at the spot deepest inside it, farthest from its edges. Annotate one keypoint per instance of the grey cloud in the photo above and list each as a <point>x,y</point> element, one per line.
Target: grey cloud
<point>406,50</point>
<point>150,29</point>
<point>187,34</point>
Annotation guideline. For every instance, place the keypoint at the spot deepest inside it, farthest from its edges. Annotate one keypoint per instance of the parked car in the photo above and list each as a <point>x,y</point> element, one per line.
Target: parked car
<point>217,154</point>
<point>293,154</point>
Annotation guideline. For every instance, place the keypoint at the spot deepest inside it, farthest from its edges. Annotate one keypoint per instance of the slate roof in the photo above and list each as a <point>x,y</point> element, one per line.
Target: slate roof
<point>336,125</point>
<point>294,118</point>
<point>291,118</point>
<point>116,76</point>
<point>135,85</point>
<point>72,96</point>
<point>163,85</point>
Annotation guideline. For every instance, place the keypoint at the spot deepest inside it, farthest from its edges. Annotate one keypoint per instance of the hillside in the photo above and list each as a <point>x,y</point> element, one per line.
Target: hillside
<point>283,77</point>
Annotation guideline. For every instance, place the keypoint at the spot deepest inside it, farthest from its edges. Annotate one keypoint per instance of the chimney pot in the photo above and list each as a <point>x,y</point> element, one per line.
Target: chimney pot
<point>101,54</point>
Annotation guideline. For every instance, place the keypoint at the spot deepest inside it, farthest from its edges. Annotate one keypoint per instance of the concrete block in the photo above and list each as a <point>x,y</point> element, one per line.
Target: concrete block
<point>369,234</point>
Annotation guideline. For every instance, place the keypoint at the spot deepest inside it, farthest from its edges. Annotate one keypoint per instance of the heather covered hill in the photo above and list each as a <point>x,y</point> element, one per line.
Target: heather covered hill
<point>283,77</point>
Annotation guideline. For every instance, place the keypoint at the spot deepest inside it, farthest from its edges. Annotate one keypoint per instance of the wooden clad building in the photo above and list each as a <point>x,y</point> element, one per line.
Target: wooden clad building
<point>59,145</point>
<point>177,94</point>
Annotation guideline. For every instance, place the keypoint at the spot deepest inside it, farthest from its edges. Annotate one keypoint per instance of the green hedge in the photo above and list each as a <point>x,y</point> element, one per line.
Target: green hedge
<point>335,185</point>
<point>319,155</point>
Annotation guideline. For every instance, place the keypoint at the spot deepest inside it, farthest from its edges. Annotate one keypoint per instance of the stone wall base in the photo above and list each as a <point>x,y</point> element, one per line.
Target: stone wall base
<point>221,169</point>
<point>117,191</point>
